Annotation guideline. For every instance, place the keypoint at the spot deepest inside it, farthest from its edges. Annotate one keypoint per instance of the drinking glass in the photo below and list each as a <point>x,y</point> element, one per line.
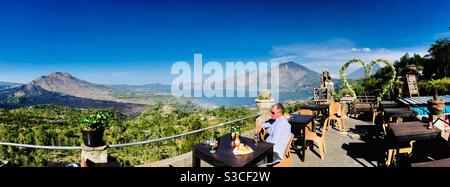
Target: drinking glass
<point>256,138</point>
<point>214,142</point>
<point>214,146</point>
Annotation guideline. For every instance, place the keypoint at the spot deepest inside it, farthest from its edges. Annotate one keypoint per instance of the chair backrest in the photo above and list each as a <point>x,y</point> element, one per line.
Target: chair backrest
<point>287,151</point>
<point>325,126</point>
<point>263,134</point>
<point>305,112</point>
<point>334,108</point>
<point>344,109</point>
<point>286,161</point>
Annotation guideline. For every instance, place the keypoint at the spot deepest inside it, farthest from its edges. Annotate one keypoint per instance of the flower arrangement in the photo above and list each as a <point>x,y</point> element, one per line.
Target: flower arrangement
<point>367,70</point>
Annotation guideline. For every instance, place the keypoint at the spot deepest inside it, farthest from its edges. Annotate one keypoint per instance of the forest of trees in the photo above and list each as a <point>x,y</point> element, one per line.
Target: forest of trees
<point>59,126</point>
<point>434,65</point>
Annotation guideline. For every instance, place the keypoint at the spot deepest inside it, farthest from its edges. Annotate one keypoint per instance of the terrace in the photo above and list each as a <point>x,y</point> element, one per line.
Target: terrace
<point>360,132</point>
<point>360,144</point>
<point>363,141</point>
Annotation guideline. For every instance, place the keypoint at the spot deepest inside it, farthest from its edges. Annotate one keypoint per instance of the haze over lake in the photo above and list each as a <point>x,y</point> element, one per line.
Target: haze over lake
<point>249,101</point>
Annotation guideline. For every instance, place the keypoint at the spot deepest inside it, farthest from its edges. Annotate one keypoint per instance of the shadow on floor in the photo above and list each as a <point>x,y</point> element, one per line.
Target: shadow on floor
<point>370,150</point>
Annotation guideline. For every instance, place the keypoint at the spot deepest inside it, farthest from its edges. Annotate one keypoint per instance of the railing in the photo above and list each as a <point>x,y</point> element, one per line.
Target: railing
<point>131,143</point>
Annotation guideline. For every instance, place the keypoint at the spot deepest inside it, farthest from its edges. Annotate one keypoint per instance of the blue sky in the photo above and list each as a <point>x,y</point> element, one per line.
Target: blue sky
<point>136,42</point>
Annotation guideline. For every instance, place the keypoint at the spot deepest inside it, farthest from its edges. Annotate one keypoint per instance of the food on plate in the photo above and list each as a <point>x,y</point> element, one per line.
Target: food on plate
<point>243,149</point>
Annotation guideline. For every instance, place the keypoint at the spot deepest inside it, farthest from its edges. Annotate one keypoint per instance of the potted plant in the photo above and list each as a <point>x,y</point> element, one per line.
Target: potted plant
<point>265,99</point>
<point>92,128</point>
<point>398,87</point>
<point>264,104</point>
<point>436,106</point>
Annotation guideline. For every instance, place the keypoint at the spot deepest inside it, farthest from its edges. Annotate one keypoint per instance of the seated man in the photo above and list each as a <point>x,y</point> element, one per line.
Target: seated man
<point>278,130</point>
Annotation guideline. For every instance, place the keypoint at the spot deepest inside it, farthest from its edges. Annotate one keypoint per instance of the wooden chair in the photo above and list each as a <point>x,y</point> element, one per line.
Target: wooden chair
<point>309,126</point>
<point>396,149</point>
<point>263,134</point>
<point>375,111</point>
<point>286,161</point>
<point>305,112</point>
<point>318,138</point>
<point>338,115</point>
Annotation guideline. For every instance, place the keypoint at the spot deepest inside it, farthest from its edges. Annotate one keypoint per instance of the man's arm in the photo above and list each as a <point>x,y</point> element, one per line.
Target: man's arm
<point>262,125</point>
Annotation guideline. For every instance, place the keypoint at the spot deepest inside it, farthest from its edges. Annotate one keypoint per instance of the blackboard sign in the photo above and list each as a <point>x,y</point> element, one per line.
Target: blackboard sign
<point>412,84</point>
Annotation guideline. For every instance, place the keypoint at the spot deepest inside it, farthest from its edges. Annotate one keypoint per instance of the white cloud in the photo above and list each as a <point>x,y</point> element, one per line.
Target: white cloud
<point>359,49</point>
<point>332,54</point>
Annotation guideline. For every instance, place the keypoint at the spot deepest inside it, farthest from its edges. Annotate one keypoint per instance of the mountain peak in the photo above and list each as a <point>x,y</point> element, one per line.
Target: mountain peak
<point>58,74</point>
<point>294,66</point>
<point>290,64</point>
<point>65,83</point>
<point>52,78</point>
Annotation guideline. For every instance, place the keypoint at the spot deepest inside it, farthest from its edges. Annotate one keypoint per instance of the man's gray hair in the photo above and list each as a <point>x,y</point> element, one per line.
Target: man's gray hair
<point>280,107</point>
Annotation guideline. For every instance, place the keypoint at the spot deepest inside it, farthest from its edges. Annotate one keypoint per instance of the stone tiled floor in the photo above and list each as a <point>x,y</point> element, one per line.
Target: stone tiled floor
<point>344,149</point>
<point>357,146</point>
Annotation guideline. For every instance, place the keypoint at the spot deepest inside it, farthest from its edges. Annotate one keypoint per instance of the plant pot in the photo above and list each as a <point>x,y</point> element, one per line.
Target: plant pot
<point>436,107</point>
<point>264,107</point>
<point>264,104</point>
<point>93,138</point>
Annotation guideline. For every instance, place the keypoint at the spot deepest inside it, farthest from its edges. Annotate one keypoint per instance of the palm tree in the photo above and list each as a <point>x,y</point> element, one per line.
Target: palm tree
<point>436,105</point>
<point>440,56</point>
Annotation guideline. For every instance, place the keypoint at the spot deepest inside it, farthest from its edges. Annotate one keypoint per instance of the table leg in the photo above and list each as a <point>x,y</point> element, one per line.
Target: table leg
<point>195,160</point>
<point>304,144</point>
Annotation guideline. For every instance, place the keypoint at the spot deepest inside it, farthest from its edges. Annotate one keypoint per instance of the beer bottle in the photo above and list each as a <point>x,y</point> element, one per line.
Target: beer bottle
<point>233,136</point>
<point>237,141</point>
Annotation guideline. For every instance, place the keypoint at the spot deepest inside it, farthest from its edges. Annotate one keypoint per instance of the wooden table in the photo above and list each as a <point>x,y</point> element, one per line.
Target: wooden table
<point>361,107</point>
<point>434,163</point>
<point>388,104</point>
<point>398,112</point>
<point>299,123</point>
<point>224,156</point>
<point>316,107</point>
<point>300,120</point>
<point>415,130</point>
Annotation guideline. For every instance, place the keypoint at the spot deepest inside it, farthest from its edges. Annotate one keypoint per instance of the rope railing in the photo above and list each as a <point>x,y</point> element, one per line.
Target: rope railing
<point>41,146</point>
<point>131,143</point>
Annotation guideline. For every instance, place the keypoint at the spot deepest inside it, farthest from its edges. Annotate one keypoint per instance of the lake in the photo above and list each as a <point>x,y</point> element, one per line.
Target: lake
<point>248,101</point>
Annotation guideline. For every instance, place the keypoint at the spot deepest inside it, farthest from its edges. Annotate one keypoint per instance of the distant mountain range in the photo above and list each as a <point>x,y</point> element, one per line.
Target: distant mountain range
<point>359,73</point>
<point>293,77</point>
<point>64,89</point>
<point>8,85</point>
<point>298,78</point>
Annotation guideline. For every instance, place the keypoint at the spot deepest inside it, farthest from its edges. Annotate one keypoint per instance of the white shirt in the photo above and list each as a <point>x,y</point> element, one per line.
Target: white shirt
<point>279,134</point>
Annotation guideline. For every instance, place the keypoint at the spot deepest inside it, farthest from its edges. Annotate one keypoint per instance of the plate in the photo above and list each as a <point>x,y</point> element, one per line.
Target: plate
<point>242,150</point>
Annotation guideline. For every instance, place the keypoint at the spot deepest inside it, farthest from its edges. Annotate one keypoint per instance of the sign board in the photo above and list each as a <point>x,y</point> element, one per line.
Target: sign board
<point>412,84</point>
